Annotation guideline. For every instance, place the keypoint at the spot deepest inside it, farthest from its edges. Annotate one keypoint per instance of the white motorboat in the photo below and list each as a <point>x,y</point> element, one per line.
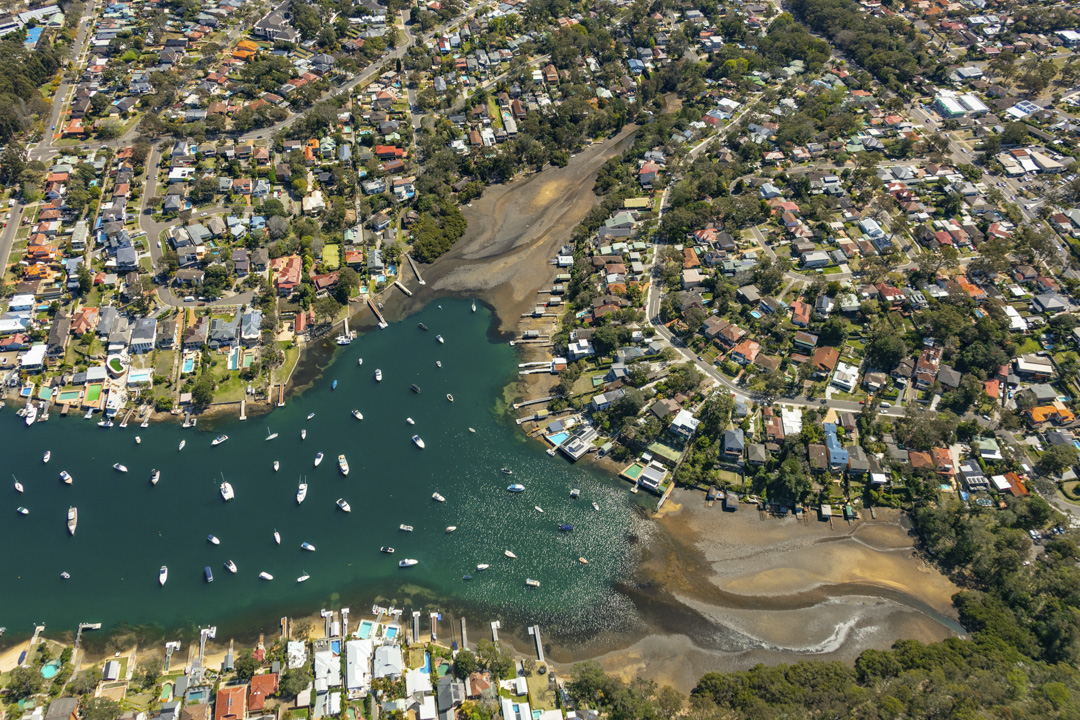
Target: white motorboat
<point>410,421</point>
<point>230,566</point>
<point>507,471</point>
<point>277,537</point>
<point>182,444</point>
<point>303,434</point>
<point>359,361</point>
<point>595,507</point>
<point>277,466</point>
<point>405,528</point>
<point>538,508</point>
<point>343,505</point>
<point>516,488</point>
<point>575,494</point>
<point>407,562</point>
<point>66,477</point>
<point>449,397</point>
<point>227,491</point>
<point>265,576</point>
<point>163,575</point>
<point>378,375</point>
<point>510,555</point>
<point>343,465</point>
<point>303,578</point>
<point>22,511</point>
<point>47,456</point>
<point>65,575</point>
<point>318,459</point>
<point>419,441</point>
<point>138,440</point>
<point>474,306</point>
<point>357,414</point>
<point>438,363</point>
<point>119,468</point>
<point>31,414</point>
<point>72,519</point>
<point>532,583</point>
<point>307,546</point>
<point>450,529</point>
<point>386,549</point>
<point>437,497</point>
<point>440,339</point>
<point>301,493</point>
<point>310,415</point>
<point>218,440</point>
<point>482,566</point>
<point>213,540</point>
<point>472,430</point>
<point>155,475</point>
<point>270,435</point>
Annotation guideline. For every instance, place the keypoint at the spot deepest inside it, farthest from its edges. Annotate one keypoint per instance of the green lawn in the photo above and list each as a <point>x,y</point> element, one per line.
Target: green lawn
<point>540,697</point>
<point>331,256</point>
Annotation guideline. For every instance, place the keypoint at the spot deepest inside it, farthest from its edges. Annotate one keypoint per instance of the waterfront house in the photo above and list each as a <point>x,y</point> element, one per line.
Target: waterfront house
<point>231,703</point>
<point>388,662</point>
<point>261,687</point>
<point>63,709</point>
<point>358,656</point>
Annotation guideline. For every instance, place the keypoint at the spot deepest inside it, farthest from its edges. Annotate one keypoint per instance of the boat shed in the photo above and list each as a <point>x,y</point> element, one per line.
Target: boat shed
<point>731,501</point>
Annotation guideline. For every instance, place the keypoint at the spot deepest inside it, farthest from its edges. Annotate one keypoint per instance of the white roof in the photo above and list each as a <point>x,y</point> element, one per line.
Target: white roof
<point>427,710</point>
<point>1000,483</point>
<point>417,681</point>
<point>34,357</point>
<point>358,664</point>
<point>791,418</point>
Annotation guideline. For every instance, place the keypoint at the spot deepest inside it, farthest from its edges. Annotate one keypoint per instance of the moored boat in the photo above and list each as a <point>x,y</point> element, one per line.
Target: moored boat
<point>181,446</point>
<point>213,540</point>
<point>378,375</point>
<point>230,566</point>
<point>227,493</point>
<point>419,441</point>
<point>66,477</point>
<point>31,414</point>
<point>537,508</point>
<point>155,475</point>
<point>450,529</point>
<point>407,562</point>
<point>18,485</point>
<point>163,575</point>
<point>72,519</point>
<point>566,527</point>
<point>218,440</point>
<point>343,465</point>
<point>386,549</point>
<point>449,397</point>
<point>583,561</point>
<point>65,575</point>
<point>277,537</point>
<point>516,488</point>
<point>310,415</point>
<point>303,434</point>
<point>307,546</point>
<point>303,578</point>
<point>22,511</point>
<point>507,471</point>
<point>357,414</point>
<point>405,528</point>
<point>422,326</point>
<point>359,361</point>
<point>415,388</point>
<point>318,459</point>
<point>277,466</point>
<point>265,576</point>
<point>333,385</point>
<point>532,583</point>
<point>437,497</point>
<point>138,440</point>
<point>510,554</point>
<point>343,505</point>
<point>270,435</point>
<point>410,421</point>
<point>119,468</point>
<point>575,494</point>
<point>474,306</point>
<point>105,424</point>
<point>301,493</point>
<point>47,456</point>
<point>595,506</point>
<point>438,363</point>
<point>208,574</point>
<point>440,338</point>
<point>482,566</point>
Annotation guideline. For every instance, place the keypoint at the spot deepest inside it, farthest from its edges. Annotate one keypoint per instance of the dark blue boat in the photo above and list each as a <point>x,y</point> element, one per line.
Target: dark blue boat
<point>209,575</point>
<point>566,527</point>
<point>467,577</point>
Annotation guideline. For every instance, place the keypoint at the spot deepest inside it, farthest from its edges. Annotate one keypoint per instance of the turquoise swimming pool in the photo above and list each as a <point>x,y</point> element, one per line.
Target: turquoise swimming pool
<point>558,438</point>
<point>364,632</point>
<point>391,632</point>
<point>189,365</point>
<point>48,671</point>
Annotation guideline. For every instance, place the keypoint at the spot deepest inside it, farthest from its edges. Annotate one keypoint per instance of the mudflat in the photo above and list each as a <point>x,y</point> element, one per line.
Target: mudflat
<point>724,591</point>
<point>513,233</point>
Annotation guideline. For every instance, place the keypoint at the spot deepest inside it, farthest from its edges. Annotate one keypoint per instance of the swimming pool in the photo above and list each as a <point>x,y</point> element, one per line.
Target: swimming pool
<point>32,35</point>
<point>196,695</point>
<point>93,393</point>
<point>48,671</point>
<point>26,391</point>
<point>364,632</point>
<point>391,632</point>
<point>68,396</point>
<point>558,438</point>
<point>234,358</point>
<point>335,647</point>
<point>427,664</point>
<point>189,365</point>
<point>166,692</point>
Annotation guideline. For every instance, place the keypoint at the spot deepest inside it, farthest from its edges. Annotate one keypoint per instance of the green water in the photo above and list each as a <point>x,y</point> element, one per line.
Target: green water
<point>128,528</point>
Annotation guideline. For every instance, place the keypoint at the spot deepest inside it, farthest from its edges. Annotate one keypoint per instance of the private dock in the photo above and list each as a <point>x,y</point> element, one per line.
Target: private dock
<point>416,626</point>
<point>124,422</point>
<point>534,630</point>
<point>533,402</point>
<point>464,636</point>
<point>281,395</point>
<point>434,626</point>
<point>243,405</point>
<point>416,270</point>
<point>404,289</point>
<point>495,625</point>
<point>375,309</point>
